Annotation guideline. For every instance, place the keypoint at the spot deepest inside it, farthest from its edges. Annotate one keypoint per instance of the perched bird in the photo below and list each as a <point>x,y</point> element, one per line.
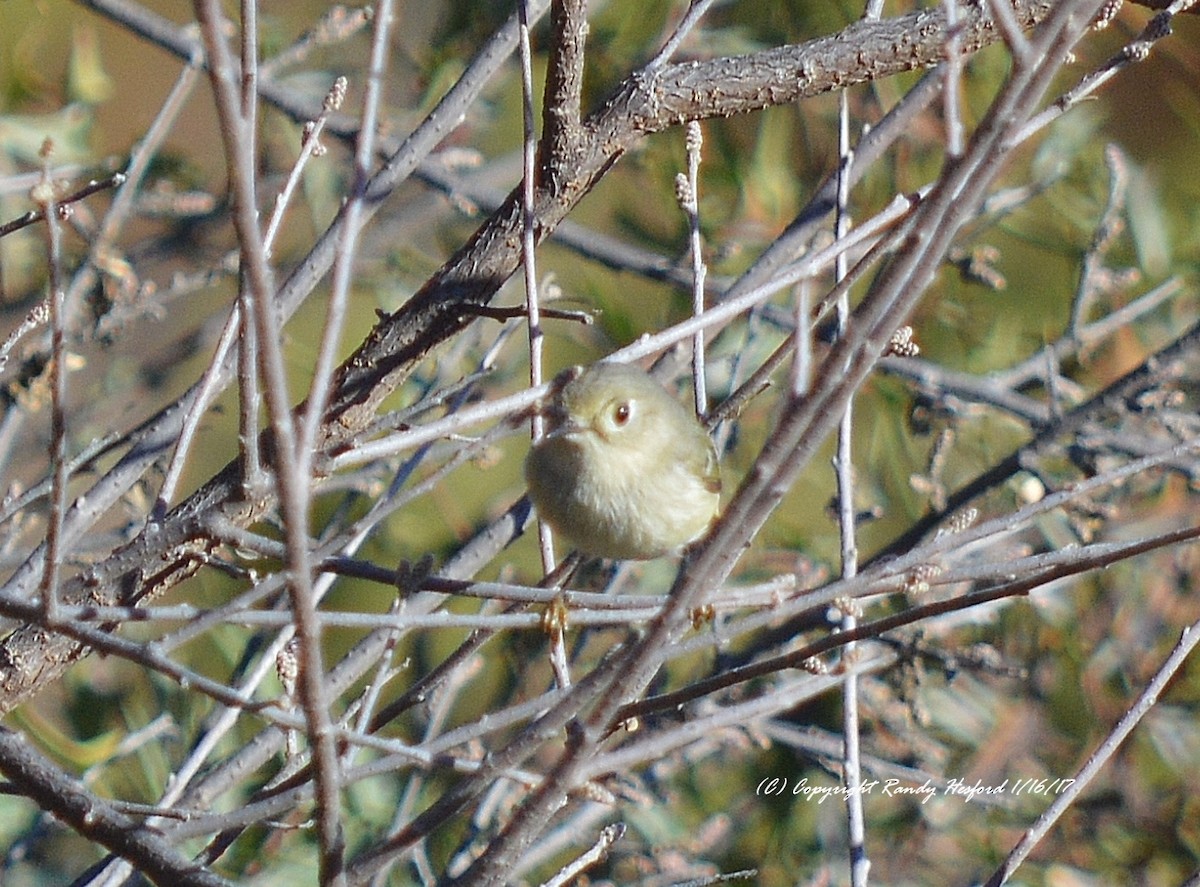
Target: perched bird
<point>625,471</point>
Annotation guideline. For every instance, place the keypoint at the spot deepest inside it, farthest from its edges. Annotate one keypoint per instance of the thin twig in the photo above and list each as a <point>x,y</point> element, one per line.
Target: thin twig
<point>337,25</point>
<point>1093,269</point>
<point>1018,45</point>
<point>847,529</point>
<point>38,316</point>
<point>44,195</point>
<point>609,835</point>
<point>310,146</point>
<point>291,486</point>
<point>951,93</point>
<point>688,196</point>
<point>211,380</point>
<point>1138,50</point>
<point>32,217</point>
<point>321,386</point>
<point>695,11</point>
<point>529,265</point>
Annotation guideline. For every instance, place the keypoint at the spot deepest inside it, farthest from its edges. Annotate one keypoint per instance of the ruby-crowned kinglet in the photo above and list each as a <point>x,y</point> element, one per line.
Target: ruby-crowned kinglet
<point>625,470</point>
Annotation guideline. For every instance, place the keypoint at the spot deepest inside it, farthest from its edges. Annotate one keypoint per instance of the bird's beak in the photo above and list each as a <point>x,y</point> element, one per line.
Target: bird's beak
<point>562,425</point>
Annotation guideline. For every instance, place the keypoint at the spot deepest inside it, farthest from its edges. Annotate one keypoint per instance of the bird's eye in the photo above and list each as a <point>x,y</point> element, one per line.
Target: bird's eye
<point>621,414</point>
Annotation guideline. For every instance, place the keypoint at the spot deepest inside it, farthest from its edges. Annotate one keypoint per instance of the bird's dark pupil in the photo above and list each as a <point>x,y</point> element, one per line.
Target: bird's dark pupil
<point>622,414</point>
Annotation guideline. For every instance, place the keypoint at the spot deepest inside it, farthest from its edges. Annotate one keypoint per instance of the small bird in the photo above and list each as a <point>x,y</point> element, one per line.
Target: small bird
<point>625,471</point>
